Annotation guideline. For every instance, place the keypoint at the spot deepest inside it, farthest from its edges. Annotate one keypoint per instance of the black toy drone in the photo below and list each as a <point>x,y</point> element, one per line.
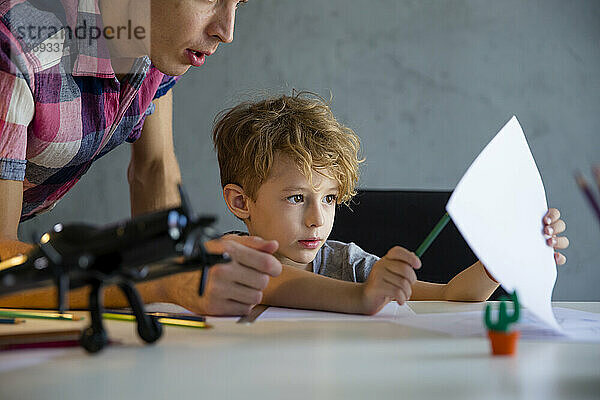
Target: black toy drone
<point>141,249</point>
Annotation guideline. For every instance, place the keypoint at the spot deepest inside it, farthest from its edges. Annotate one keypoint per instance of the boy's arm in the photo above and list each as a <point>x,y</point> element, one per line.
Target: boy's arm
<point>391,278</point>
<point>296,288</point>
<point>475,283</point>
<point>472,284</point>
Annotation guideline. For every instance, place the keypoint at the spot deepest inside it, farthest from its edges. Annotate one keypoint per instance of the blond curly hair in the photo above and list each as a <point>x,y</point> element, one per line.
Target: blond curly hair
<point>301,126</point>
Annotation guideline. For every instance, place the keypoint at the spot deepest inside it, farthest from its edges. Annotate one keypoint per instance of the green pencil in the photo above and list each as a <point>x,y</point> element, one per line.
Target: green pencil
<point>38,315</point>
<point>432,235</point>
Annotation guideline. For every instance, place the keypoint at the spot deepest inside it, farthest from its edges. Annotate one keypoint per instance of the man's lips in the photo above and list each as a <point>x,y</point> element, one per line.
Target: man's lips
<point>196,58</point>
<point>311,243</point>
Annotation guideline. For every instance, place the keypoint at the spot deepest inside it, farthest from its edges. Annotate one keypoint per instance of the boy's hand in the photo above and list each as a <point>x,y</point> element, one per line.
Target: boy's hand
<point>232,288</point>
<point>391,278</point>
<point>553,225</point>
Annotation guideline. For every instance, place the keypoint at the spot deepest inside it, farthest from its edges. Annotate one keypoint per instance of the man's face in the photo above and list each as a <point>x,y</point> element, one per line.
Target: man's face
<point>289,210</point>
<point>184,32</point>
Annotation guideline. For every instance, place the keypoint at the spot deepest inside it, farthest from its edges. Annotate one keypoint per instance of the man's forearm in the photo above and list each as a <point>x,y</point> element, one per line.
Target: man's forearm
<point>46,298</point>
<point>153,187</point>
<point>10,248</point>
<point>303,289</point>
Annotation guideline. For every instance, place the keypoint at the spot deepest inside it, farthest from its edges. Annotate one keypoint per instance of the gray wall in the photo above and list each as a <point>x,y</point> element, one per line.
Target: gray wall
<point>426,84</point>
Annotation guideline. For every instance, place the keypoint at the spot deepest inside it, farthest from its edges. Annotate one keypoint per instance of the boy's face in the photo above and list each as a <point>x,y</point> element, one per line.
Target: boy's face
<point>289,210</point>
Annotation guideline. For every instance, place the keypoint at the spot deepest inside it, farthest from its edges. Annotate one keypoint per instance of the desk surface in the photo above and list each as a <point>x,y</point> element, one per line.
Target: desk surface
<point>308,360</point>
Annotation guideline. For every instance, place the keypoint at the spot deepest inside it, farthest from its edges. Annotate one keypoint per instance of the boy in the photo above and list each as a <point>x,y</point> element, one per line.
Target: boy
<point>286,163</point>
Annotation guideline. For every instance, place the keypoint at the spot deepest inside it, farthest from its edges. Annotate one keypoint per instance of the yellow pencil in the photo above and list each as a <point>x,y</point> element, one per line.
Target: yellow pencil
<point>162,320</point>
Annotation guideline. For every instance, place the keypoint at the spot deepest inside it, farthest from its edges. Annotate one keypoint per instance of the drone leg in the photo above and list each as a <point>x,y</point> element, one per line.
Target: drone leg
<point>148,327</point>
<point>94,338</point>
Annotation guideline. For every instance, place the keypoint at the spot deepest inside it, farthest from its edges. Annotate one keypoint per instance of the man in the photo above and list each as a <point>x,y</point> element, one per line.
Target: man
<point>77,79</point>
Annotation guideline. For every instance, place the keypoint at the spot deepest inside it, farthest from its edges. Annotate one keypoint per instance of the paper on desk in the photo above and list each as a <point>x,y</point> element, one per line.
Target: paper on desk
<point>577,326</point>
<point>498,207</point>
<point>391,312</point>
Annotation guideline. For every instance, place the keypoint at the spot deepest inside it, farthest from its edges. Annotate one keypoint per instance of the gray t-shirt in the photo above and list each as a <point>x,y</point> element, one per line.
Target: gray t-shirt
<point>338,260</point>
<point>344,261</point>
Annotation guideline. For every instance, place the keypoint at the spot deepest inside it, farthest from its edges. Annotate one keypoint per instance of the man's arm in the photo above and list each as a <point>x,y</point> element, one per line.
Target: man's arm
<point>11,199</point>
<point>153,172</point>
<point>232,288</point>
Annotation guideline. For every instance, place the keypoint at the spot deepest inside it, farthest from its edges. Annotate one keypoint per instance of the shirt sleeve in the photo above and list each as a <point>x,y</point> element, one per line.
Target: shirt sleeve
<point>166,84</point>
<point>360,261</point>
<point>16,111</point>
<point>344,261</point>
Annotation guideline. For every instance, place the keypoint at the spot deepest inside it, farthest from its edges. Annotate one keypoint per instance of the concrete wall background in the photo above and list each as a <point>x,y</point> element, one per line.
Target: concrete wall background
<point>426,84</point>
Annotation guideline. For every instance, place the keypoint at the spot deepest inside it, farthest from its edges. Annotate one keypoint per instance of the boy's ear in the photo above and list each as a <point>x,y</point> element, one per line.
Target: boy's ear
<point>236,200</point>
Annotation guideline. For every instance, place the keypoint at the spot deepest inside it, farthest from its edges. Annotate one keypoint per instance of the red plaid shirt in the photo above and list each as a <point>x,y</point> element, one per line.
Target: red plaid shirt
<point>61,105</point>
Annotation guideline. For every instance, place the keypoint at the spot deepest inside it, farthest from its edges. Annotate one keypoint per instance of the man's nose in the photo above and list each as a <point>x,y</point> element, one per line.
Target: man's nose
<point>223,23</point>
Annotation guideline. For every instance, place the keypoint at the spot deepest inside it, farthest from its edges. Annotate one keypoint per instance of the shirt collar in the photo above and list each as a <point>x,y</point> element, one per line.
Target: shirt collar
<point>92,55</point>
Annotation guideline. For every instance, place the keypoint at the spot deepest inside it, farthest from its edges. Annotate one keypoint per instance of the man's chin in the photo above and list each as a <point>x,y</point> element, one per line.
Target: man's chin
<point>171,68</point>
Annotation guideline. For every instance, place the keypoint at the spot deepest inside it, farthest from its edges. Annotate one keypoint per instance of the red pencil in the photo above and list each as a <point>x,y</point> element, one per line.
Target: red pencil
<point>37,340</point>
<point>588,193</point>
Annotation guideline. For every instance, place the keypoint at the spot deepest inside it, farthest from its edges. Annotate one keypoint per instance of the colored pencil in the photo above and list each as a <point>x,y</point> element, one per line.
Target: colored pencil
<point>596,171</point>
<point>162,320</point>
<point>11,321</point>
<point>39,315</point>
<point>581,182</point>
<point>186,317</point>
<point>203,279</point>
<point>432,235</point>
<point>36,340</point>
<point>256,311</point>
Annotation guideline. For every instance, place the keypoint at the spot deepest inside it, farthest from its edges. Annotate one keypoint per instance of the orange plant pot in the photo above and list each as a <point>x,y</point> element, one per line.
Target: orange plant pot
<point>503,343</point>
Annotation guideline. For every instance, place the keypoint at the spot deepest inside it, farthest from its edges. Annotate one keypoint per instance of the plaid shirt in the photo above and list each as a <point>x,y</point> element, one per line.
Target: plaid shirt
<point>62,106</point>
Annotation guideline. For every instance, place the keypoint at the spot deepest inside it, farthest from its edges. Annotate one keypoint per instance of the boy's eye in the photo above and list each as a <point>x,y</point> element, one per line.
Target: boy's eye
<point>330,199</point>
<point>295,199</point>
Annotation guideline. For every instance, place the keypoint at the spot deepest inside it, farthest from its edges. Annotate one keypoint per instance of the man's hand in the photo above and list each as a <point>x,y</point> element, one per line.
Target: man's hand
<point>391,278</point>
<point>232,288</point>
<point>553,225</point>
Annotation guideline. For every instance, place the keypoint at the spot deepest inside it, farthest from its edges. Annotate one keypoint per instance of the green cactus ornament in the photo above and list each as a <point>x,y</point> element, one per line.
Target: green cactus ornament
<point>504,319</point>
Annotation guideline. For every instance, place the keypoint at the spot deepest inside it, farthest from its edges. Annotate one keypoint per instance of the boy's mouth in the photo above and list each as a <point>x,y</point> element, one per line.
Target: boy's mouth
<point>311,243</point>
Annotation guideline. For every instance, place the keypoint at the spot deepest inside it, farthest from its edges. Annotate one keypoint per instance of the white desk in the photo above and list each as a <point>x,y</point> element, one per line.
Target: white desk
<point>310,360</point>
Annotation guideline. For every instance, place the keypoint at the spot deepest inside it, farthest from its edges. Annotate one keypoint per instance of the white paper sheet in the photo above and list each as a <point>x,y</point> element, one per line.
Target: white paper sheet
<point>578,326</point>
<point>498,207</point>
<point>391,312</point>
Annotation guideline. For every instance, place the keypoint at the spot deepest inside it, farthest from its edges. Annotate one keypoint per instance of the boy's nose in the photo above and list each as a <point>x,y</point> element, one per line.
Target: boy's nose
<point>315,216</point>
